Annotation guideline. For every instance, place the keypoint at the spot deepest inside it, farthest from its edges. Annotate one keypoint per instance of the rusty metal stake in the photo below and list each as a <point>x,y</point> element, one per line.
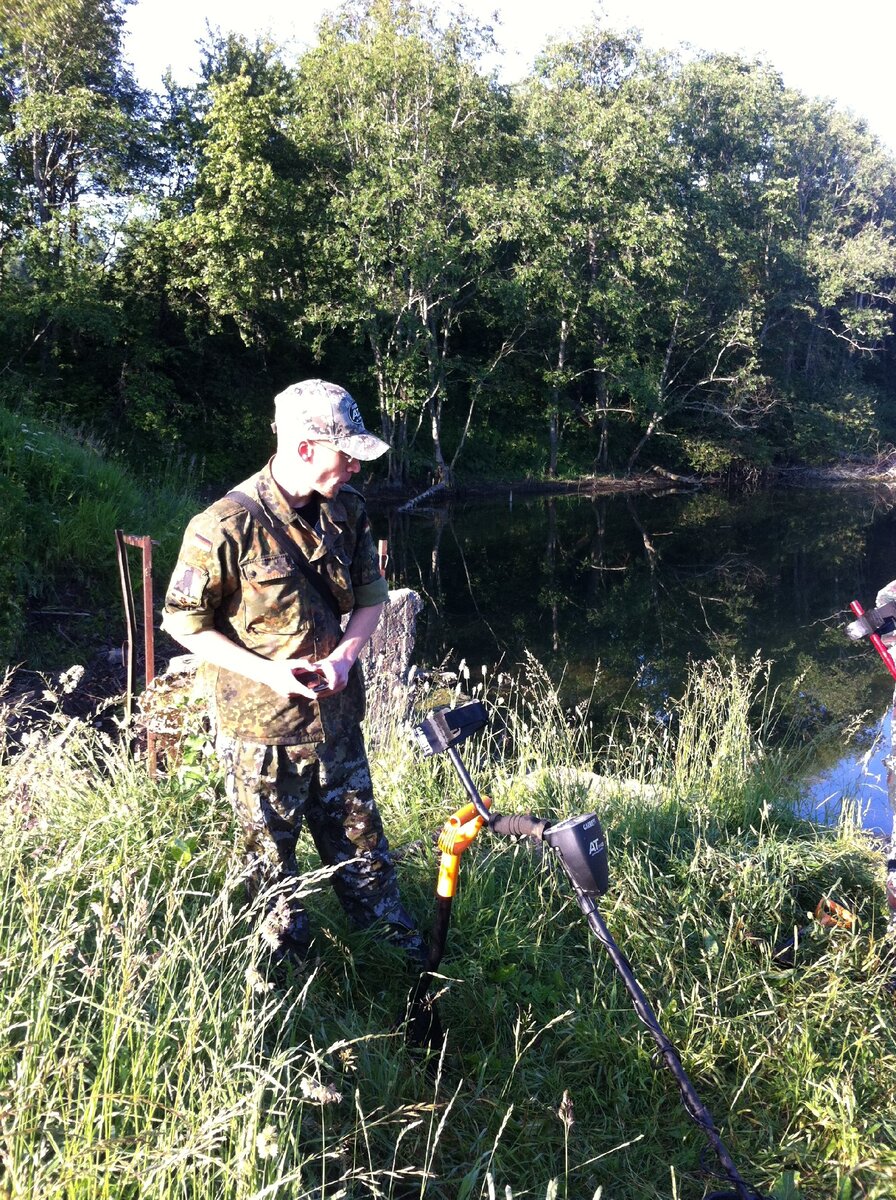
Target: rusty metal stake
<point>122,541</point>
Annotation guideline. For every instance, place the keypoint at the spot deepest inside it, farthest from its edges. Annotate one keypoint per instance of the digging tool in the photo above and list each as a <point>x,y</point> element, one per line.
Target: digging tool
<point>874,624</point>
<point>579,844</point>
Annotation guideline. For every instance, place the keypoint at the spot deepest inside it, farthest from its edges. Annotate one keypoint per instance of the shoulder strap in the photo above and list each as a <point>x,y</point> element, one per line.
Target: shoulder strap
<point>282,538</point>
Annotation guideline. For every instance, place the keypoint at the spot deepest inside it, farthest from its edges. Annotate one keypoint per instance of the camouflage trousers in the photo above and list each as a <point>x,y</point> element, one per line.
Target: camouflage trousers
<point>274,790</point>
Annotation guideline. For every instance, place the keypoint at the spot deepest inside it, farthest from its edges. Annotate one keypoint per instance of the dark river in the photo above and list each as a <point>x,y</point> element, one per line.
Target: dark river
<point>629,590</point>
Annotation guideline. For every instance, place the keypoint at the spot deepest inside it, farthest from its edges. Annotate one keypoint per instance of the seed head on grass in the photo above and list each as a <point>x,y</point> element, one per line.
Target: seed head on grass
<point>275,924</point>
<point>565,1112</point>
<point>266,1142</point>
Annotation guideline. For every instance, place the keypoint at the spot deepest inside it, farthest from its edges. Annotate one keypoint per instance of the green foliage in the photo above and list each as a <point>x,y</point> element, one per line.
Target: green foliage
<point>411,167</point>
<point>624,254</point>
<point>71,112</point>
<point>241,244</point>
<point>64,499</point>
<point>707,458</point>
<point>595,136</point>
<point>824,427</point>
<point>146,1039</point>
<point>76,148</point>
<point>12,561</point>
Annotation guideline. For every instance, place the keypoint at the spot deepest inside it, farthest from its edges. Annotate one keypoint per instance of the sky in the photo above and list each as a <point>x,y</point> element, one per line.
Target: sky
<point>821,49</point>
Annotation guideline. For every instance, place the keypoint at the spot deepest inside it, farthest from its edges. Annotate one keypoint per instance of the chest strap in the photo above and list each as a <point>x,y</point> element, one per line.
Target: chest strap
<point>289,547</point>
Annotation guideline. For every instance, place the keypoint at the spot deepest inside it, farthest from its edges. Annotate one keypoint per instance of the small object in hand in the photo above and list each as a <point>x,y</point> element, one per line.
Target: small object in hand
<point>311,679</point>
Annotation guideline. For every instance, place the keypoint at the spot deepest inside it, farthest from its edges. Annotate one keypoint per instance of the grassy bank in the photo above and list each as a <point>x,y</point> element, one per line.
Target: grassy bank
<point>61,500</point>
<point>148,1051</point>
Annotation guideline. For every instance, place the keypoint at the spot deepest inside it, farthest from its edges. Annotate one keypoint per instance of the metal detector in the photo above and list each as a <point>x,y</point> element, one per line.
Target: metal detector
<point>578,842</point>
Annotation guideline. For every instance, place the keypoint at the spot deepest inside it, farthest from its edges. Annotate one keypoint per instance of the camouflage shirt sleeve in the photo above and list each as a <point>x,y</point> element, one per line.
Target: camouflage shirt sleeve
<point>368,584</point>
<point>203,576</point>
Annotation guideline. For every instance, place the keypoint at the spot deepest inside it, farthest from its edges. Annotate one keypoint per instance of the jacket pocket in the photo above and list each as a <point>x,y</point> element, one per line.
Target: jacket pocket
<point>271,595</point>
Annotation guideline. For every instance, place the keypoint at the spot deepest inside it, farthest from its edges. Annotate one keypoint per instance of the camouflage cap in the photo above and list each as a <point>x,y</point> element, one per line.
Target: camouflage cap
<point>321,411</point>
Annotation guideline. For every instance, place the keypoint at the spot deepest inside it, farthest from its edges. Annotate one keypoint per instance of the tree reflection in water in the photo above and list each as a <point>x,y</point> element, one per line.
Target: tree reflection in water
<point>617,595</point>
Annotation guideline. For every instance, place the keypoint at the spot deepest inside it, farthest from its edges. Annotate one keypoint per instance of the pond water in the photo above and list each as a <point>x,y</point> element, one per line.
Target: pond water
<point>617,595</point>
<point>859,778</point>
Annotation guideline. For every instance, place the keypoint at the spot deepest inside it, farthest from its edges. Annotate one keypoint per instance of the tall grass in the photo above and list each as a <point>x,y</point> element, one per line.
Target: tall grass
<point>149,1050</point>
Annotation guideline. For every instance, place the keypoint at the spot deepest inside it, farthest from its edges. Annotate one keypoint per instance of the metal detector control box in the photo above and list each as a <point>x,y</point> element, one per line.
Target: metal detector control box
<point>446,727</point>
<point>583,851</point>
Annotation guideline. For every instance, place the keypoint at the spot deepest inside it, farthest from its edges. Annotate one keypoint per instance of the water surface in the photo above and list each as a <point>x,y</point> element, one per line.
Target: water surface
<point>616,596</point>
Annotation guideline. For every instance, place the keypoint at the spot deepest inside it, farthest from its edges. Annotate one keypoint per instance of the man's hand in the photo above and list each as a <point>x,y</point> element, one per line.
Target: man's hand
<point>335,669</point>
<point>336,666</point>
<point>280,676</point>
<point>277,673</point>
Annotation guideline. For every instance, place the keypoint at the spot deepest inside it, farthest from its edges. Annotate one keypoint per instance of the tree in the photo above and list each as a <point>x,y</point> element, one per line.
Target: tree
<point>789,259</point>
<point>241,228</point>
<point>70,106</point>
<point>73,143</point>
<point>587,233</point>
<point>407,142</point>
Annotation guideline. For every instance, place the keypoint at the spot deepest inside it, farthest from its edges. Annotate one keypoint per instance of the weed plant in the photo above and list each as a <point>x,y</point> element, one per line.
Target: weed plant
<point>150,1050</point>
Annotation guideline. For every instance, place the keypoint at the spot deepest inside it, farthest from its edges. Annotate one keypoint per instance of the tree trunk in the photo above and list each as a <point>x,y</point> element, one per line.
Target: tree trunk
<point>443,472</point>
<point>434,360</point>
<point>600,404</point>
<point>393,418</point>
<point>554,417</point>
<point>655,421</point>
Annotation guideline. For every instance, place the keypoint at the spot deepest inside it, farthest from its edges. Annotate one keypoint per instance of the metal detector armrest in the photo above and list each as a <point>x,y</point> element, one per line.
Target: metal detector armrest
<point>445,727</point>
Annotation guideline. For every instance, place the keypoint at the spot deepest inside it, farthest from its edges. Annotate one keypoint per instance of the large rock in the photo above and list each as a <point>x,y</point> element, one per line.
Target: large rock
<point>386,662</point>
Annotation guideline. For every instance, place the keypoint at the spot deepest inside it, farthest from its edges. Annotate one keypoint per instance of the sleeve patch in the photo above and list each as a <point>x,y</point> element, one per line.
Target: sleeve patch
<point>189,583</point>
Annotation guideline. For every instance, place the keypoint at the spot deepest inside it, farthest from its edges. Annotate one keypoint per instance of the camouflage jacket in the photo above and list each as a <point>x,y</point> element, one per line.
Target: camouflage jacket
<point>232,576</point>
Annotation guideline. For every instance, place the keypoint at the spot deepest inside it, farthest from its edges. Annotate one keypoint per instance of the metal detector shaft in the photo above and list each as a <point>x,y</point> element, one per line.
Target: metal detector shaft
<point>692,1102</point>
<point>469,786</point>
<point>579,844</point>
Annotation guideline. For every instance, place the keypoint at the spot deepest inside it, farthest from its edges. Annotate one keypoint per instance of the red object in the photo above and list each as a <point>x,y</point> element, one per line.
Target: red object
<point>876,641</point>
<point>311,679</point>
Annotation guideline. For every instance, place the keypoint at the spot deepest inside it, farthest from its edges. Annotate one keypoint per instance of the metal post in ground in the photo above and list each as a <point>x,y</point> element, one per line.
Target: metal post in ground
<point>144,544</point>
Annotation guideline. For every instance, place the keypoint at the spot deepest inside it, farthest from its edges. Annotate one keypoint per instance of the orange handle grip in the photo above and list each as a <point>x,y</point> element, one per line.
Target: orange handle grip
<point>458,834</point>
<point>449,868</point>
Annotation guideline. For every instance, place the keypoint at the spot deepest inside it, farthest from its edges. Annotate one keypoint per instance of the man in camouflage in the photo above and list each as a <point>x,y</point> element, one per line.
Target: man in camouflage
<point>256,618</point>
